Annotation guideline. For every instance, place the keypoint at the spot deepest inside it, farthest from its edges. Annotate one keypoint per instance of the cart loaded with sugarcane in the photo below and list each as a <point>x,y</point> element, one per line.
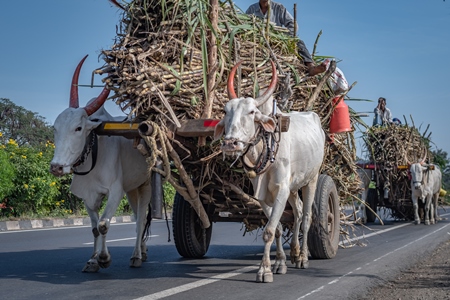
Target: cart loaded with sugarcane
<point>169,68</point>
<point>391,150</point>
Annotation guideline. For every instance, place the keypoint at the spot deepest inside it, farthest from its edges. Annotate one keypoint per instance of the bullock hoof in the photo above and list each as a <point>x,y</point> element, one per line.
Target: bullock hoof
<point>104,260</point>
<point>279,268</point>
<point>135,262</point>
<point>427,222</point>
<point>302,264</point>
<point>417,222</point>
<point>144,256</point>
<point>264,277</point>
<point>91,267</point>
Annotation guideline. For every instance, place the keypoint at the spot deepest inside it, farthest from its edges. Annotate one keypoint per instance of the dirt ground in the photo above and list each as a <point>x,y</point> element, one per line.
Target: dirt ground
<point>428,280</point>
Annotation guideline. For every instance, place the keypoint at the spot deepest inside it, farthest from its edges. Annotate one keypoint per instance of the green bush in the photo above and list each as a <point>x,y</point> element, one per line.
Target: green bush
<point>35,191</point>
<point>7,175</point>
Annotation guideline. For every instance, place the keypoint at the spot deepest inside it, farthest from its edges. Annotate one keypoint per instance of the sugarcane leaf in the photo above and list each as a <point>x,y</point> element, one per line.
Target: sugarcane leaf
<point>177,88</point>
<point>295,72</point>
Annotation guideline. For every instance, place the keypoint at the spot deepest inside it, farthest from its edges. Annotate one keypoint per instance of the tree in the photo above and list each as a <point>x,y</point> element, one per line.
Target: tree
<point>23,126</point>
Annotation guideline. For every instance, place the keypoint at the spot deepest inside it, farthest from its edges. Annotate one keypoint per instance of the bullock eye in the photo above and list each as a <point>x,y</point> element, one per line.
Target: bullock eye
<point>251,112</point>
<point>78,129</point>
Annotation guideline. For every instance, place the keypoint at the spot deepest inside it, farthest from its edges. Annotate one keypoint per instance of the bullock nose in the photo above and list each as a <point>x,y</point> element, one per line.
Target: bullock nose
<point>56,169</point>
<point>230,143</point>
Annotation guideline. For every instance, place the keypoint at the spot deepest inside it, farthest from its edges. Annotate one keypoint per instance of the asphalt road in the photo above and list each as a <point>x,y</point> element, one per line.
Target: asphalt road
<point>47,264</point>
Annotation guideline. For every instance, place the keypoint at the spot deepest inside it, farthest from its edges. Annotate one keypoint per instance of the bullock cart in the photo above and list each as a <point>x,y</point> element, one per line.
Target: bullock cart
<point>392,149</point>
<point>168,70</point>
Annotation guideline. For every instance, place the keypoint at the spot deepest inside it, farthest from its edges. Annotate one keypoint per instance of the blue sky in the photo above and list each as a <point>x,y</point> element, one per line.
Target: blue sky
<point>395,49</point>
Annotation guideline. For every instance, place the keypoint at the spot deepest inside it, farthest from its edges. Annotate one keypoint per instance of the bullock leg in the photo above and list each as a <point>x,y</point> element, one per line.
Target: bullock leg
<point>139,200</point>
<point>265,273</point>
<point>92,207</point>
<point>416,210</point>
<point>308,193</point>
<point>295,202</point>
<point>427,209</point>
<point>435,207</point>
<point>115,195</point>
<point>279,267</point>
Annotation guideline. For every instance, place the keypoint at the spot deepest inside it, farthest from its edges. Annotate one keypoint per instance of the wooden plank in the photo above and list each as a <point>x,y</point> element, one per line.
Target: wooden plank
<point>197,128</point>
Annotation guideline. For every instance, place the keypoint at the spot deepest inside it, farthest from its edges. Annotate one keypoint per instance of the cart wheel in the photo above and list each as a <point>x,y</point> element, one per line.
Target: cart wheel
<point>191,240</point>
<point>372,202</point>
<point>323,235</point>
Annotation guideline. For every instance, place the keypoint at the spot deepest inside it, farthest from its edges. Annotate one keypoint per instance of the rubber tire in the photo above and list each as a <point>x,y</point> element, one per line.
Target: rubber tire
<point>323,235</point>
<point>372,202</point>
<point>191,240</point>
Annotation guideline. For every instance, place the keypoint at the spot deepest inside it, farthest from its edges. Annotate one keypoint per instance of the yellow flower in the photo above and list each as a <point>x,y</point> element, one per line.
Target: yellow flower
<point>62,201</point>
<point>12,142</point>
<point>40,153</point>
<point>1,134</point>
<point>25,186</point>
<point>57,203</point>
<point>24,157</point>
<point>52,183</point>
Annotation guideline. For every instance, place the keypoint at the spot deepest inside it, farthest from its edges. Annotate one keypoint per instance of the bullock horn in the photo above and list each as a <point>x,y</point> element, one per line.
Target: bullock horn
<point>98,102</point>
<point>230,84</point>
<point>74,87</point>
<point>273,84</point>
<point>424,157</point>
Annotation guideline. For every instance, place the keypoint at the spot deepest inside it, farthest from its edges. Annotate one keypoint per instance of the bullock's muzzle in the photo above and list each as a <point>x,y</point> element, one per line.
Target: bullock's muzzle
<point>231,145</point>
<point>59,170</point>
<point>417,185</point>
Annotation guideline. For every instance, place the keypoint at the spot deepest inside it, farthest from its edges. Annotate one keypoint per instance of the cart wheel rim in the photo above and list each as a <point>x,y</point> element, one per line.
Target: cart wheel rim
<point>330,216</point>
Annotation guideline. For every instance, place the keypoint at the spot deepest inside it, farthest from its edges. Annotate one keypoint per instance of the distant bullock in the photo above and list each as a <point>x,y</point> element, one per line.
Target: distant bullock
<point>425,185</point>
<point>249,134</point>
<point>104,167</point>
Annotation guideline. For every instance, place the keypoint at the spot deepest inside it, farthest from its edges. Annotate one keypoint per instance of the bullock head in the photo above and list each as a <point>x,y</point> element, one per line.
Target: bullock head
<point>416,170</point>
<point>242,117</point>
<point>73,126</point>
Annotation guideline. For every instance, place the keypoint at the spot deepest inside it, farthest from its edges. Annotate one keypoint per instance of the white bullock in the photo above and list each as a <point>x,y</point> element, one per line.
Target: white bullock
<point>104,167</point>
<point>296,166</point>
<point>425,185</point>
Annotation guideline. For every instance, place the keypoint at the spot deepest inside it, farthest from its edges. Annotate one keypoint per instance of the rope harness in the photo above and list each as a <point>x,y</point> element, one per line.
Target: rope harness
<point>91,145</point>
<point>271,142</point>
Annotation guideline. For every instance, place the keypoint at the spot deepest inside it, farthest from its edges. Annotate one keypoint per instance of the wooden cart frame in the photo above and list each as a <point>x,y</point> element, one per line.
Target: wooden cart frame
<point>192,237</point>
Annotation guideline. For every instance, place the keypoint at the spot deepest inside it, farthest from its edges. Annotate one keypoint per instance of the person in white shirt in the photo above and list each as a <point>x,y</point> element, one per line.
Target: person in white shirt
<point>383,114</point>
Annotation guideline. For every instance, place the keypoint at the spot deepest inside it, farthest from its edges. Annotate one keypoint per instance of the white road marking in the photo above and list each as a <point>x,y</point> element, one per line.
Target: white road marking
<point>377,259</point>
<point>196,284</point>
<point>213,279</point>
<point>119,240</point>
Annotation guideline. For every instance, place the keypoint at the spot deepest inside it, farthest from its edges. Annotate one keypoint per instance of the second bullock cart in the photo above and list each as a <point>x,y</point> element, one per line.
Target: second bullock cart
<point>391,150</point>
<point>168,69</point>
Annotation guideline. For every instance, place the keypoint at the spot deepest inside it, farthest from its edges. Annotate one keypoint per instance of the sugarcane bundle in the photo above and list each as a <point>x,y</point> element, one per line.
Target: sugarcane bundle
<point>396,145</point>
<point>159,68</point>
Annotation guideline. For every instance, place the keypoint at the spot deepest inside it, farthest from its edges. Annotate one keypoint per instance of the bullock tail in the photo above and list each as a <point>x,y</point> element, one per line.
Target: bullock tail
<point>146,232</point>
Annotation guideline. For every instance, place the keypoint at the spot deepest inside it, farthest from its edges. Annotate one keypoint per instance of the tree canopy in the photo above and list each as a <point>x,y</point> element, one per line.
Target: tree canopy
<point>23,126</point>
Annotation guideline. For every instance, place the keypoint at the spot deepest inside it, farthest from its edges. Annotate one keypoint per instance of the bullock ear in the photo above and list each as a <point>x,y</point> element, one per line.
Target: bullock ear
<point>93,123</point>
<point>267,123</point>
<point>219,130</point>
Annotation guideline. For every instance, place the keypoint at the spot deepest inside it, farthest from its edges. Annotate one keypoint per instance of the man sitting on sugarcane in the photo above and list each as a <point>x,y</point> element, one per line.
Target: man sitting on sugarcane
<point>383,114</point>
<point>281,17</point>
